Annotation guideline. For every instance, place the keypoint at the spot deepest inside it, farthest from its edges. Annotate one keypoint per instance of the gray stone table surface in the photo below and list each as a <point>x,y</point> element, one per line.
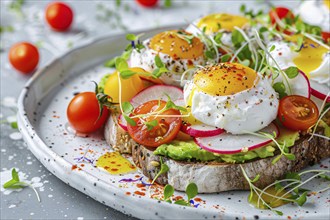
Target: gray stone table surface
<point>92,19</point>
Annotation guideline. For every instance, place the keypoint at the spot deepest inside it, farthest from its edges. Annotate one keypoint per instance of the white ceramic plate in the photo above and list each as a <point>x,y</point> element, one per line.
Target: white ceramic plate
<point>43,123</point>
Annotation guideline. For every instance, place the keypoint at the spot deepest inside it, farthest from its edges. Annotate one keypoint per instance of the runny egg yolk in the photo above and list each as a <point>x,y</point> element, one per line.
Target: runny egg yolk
<point>310,56</point>
<point>225,79</point>
<point>175,44</point>
<point>215,22</point>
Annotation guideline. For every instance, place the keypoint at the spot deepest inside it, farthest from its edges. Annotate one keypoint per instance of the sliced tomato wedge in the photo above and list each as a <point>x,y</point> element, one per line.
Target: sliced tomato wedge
<point>165,130</point>
<point>297,112</point>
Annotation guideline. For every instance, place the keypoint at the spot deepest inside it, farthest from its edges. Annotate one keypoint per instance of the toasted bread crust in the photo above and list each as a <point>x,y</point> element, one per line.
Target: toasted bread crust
<point>213,177</point>
<point>117,137</point>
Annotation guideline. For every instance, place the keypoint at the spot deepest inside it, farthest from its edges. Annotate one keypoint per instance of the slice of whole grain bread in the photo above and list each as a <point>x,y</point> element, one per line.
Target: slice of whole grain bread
<point>213,176</point>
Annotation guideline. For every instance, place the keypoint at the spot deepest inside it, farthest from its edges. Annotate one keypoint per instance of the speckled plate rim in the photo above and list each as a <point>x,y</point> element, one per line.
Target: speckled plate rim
<point>89,184</point>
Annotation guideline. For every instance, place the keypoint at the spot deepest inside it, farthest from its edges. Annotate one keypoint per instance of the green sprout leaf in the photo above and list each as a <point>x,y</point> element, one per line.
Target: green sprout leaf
<point>294,176</point>
<point>280,89</point>
<point>292,72</point>
<point>131,37</point>
<point>225,58</point>
<point>302,199</point>
<point>163,169</point>
<point>129,120</point>
<point>159,63</point>
<point>191,191</point>
<point>151,124</point>
<point>167,3</point>
<point>125,74</point>
<point>326,177</point>
<point>14,125</point>
<point>181,202</point>
<point>210,54</point>
<point>300,42</point>
<point>256,178</point>
<point>121,64</point>
<point>272,48</point>
<point>15,183</point>
<point>127,107</point>
<point>168,191</point>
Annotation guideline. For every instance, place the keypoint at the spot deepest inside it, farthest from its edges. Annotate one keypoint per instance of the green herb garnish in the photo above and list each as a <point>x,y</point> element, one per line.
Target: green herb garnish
<point>292,72</point>
<point>15,183</point>
<point>163,169</point>
<point>160,67</point>
<point>291,191</point>
<point>191,192</point>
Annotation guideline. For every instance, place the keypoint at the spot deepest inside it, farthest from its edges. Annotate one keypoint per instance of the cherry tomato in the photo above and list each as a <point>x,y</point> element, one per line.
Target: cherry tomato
<point>163,132</point>
<point>297,112</point>
<point>24,57</point>
<point>83,112</point>
<point>326,36</point>
<point>59,16</point>
<point>281,13</point>
<point>147,3</point>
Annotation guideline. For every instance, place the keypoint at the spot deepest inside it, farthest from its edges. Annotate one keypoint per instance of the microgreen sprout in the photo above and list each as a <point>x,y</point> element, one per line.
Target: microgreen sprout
<point>191,192</point>
<point>284,149</point>
<point>161,68</point>
<point>15,183</point>
<point>163,169</point>
<point>290,192</point>
<point>323,111</point>
<point>303,29</point>
<point>135,44</point>
<point>185,36</point>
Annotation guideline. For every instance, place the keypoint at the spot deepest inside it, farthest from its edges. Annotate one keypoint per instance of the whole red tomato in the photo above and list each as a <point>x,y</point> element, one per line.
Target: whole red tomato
<point>147,3</point>
<point>24,57</point>
<point>83,113</point>
<point>59,16</point>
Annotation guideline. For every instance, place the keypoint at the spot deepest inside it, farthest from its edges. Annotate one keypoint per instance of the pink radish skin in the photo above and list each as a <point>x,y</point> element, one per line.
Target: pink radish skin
<point>214,144</point>
<point>300,85</point>
<point>319,91</point>
<point>201,130</point>
<point>309,89</point>
<point>122,122</point>
<point>157,92</point>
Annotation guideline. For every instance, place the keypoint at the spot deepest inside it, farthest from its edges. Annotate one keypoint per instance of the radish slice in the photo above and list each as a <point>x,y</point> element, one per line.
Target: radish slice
<point>198,130</point>
<point>201,130</point>
<point>157,92</point>
<point>319,90</point>
<point>122,122</point>
<point>301,85</point>
<point>226,143</point>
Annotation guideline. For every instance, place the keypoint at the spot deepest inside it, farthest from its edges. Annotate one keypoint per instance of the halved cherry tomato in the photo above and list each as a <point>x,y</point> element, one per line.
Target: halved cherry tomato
<point>281,13</point>
<point>59,16</point>
<point>24,57</point>
<point>297,112</point>
<point>326,36</point>
<point>83,112</point>
<point>147,3</point>
<point>165,131</point>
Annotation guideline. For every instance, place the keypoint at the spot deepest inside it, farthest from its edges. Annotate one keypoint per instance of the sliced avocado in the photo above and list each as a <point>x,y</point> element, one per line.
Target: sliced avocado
<point>182,150</point>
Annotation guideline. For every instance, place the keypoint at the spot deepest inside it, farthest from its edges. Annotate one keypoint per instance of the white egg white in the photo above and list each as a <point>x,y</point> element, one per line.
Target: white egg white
<point>314,12</point>
<point>248,110</point>
<point>146,60</point>
<point>284,53</point>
